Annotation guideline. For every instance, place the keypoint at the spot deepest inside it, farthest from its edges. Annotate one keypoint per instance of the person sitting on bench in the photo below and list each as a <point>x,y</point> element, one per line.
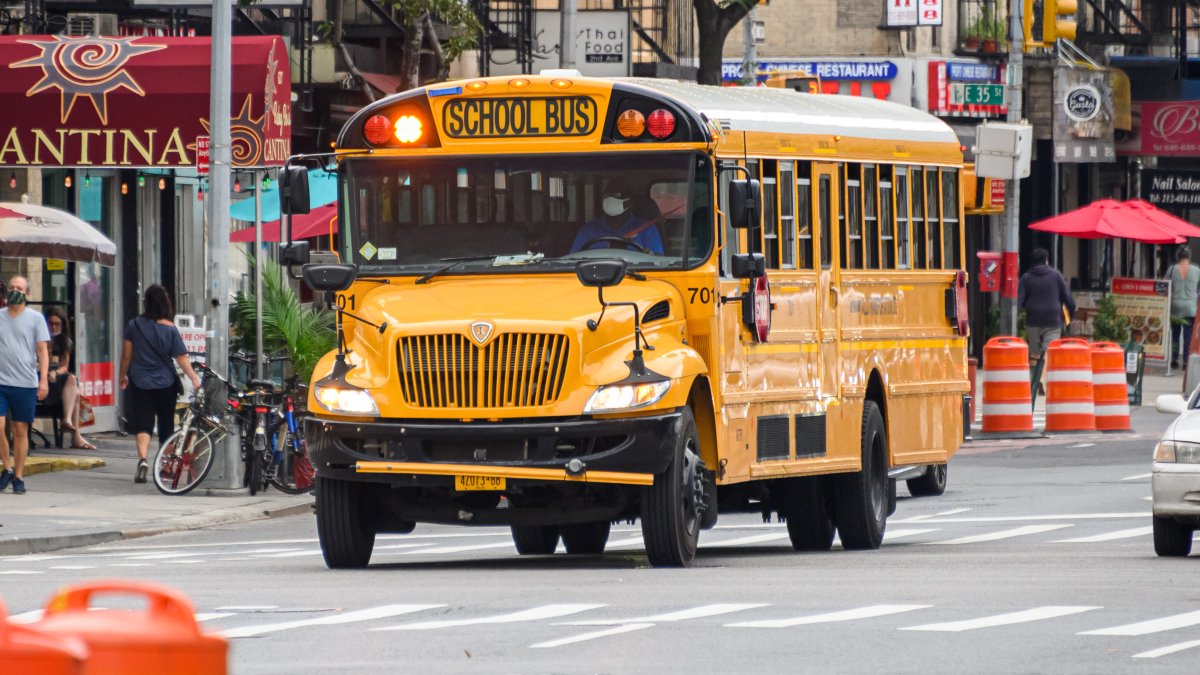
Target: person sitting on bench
<point>64,386</point>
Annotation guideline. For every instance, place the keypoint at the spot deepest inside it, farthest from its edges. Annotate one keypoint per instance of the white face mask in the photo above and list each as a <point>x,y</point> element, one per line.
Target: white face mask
<point>614,206</point>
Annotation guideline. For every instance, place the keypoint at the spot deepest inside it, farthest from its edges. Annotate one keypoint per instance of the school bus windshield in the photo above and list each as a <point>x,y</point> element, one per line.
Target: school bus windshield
<point>527,213</point>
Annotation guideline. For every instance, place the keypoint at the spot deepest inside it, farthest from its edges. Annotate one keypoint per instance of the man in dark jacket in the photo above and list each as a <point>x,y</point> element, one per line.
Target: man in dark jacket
<point>1043,293</point>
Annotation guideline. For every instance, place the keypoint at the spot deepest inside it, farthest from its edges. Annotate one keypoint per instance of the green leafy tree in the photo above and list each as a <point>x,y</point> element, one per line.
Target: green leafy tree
<point>714,20</point>
<point>417,18</point>
<point>304,334</point>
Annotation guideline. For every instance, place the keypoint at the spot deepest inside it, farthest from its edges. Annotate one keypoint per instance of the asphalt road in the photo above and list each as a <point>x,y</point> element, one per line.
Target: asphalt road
<point>1038,559</point>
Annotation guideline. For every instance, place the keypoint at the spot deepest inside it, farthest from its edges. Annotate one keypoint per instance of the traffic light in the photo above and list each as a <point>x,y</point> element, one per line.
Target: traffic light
<point>1058,20</point>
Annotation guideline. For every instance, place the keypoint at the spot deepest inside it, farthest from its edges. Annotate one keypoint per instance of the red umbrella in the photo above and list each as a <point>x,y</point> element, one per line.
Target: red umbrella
<point>1163,218</point>
<point>1108,218</point>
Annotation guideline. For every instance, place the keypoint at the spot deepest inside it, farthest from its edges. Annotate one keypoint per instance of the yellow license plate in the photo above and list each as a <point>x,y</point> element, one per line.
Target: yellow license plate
<point>465,483</point>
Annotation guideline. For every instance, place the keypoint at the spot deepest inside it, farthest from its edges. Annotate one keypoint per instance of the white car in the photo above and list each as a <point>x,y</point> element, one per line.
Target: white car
<point>1176,478</point>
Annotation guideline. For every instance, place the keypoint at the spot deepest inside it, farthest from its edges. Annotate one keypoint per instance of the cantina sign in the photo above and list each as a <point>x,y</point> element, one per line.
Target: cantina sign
<point>137,102</point>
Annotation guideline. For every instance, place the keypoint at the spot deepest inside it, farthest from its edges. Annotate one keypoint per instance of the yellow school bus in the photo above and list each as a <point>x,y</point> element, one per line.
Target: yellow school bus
<point>571,301</point>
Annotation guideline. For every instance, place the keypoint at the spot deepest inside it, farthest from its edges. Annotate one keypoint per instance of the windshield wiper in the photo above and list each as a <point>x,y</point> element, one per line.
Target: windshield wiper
<point>454,262</point>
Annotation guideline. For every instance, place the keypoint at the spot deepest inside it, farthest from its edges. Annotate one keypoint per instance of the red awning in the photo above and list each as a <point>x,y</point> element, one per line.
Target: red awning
<point>321,221</point>
<point>138,102</point>
<point>1108,219</point>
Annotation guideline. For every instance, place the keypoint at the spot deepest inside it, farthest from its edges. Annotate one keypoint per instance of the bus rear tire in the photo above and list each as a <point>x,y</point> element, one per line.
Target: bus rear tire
<point>346,537</point>
<point>671,507</point>
<point>932,484</point>
<point>807,512</point>
<point>585,538</point>
<point>535,539</point>
<point>861,498</point>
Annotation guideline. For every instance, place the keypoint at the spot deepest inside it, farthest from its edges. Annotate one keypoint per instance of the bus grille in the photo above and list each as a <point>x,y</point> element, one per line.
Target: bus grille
<point>451,371</point>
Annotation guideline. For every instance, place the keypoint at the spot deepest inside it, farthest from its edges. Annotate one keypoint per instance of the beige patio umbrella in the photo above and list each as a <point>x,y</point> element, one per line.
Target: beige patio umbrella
<point>34,231</point>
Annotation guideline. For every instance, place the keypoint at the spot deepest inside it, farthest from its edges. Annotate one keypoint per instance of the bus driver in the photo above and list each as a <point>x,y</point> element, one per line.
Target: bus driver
<point>619,221</point>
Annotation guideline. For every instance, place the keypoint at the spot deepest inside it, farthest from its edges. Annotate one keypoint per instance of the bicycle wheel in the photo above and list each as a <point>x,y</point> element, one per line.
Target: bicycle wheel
<point>183,461</point>
<point>295,473</point>
<point>254,467</point>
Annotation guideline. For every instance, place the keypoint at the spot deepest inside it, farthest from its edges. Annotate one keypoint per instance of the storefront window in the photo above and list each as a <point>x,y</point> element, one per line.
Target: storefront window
<point>93,299</point>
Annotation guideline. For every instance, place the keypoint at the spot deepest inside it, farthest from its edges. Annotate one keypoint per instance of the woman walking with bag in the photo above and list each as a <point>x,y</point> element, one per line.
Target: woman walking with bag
<point>152,348</point>
<point>1184,278</point>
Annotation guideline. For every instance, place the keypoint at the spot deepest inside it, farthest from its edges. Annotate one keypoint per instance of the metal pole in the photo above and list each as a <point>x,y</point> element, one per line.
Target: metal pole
<point>1012,198</point>
<point>260,361</point>
<point>1055,181</point>
<point>221,154</point>
<point>749,51</point>
<point>566,42</point>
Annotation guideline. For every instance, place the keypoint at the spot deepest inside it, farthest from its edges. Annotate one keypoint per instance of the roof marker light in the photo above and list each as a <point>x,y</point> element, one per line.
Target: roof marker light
<point>631,123</point>
<point>560,84</point>
<point>519,83</point>
<point>478,85</point>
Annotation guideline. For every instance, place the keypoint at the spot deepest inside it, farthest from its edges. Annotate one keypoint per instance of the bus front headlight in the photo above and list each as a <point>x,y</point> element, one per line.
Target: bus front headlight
<point>617,397</point>
<point>343,399</point>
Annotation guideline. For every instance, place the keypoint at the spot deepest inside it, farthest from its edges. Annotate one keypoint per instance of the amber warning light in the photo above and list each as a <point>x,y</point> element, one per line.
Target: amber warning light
<point>379,130</point>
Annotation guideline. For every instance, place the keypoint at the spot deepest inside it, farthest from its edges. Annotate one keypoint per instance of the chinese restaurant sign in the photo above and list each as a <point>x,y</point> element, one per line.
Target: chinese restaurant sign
<point>137,102</point>
<point>1146,303</point>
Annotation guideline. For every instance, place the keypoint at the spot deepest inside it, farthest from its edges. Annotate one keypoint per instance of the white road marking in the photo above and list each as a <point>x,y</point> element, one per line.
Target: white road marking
<point>189,561</point>
<point>681,615</point>
<point>1109,536</point>
<point>386,611</point>
<point>1170,649</point>
<point>742,541</point>
<point>892,535</point>
<point>21,572</point>
<point>246,608</point>
<point>26,617</point>
<point>1151,626</point>
<point>130,565</point>
<point>201,617</point>
<point>632,541</point>
<point>165,547</point>
<point>830,617</point>
<point>1082,445</point>
<point>627,628</point>
<point>1025,616</point>
<point>1148,498</point>
<point>1002,534</point>
<point>72,567</point>
<point>917,519</point>
<point>927,520</point>
<point>458,549</point>
<point>31,558</point>
<point>535,614</point>
<point>1139,476</point>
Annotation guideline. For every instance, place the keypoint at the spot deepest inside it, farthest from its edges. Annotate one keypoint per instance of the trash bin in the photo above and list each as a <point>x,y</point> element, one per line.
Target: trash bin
<point>1135,369</point>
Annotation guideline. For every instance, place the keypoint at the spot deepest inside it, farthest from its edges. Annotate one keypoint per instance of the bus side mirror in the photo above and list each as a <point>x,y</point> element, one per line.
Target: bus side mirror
<point>748,265</point>
<point>293,253</point>
<point>329,278</point>
<point>744,196</point>
<point>293,191</point>
<point>600,273</point>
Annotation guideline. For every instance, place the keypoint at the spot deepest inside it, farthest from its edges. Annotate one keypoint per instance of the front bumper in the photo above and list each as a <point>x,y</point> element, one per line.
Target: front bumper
<point>422,452</point>
<point>1176,489</point>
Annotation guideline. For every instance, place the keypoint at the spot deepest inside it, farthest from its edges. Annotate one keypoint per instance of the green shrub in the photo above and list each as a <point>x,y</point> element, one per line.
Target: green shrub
<point>1108,326</point>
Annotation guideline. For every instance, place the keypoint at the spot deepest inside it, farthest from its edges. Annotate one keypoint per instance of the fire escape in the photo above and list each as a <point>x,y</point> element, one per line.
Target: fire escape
<point>507,27</point>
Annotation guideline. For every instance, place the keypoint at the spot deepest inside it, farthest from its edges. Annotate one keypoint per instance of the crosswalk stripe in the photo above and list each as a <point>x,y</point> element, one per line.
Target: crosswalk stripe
<point>386,611</point>
<point>1169,649</point>
<point>830,617</point>
<point>1109,536</point>
<point>1151,626</point>
<point>535,614</point>
<point>1025,616</point>
<point>1002,534</point>
<point>742,541</point>
<point>681,615</point>
<point>626,628</point>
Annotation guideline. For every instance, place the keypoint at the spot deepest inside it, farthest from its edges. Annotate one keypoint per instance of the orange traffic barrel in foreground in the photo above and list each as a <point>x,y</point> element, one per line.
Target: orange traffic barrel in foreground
<point>1109,388</point>
<point>1006,405</point>
<point>162,637</point>
<point>29,652</point>
<point>1069,403</point>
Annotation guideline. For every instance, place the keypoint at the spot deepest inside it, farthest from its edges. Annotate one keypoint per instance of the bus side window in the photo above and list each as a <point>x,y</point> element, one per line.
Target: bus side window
<point>887,220</point>
<point>825,220</point>
<point>870,189</point>
<point>852,237</point>
<point>754,233</point>
<point>804,212</point>
<point>902,218</point>
<point>770,211</point>
<point>918,218</point>
<point>787,217</point>
<point>729,236</point>
<point>933,218</point>
<point>950,219</point>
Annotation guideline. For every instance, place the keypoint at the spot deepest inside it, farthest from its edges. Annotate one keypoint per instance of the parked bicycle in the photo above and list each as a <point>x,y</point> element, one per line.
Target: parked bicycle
<point>185,459</point>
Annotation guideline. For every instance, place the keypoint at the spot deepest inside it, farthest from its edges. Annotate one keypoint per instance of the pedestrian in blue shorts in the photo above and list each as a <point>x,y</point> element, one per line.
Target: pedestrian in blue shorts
<point>24,342</point>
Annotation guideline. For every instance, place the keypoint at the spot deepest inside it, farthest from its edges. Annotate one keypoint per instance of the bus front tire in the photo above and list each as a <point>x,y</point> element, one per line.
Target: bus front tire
<point>671,507</point>
<point>861,498</point>
<point>585,538</point>
<point>347,538</point>
<point>932,484</point>
<point>535,539</point>
<point>807,512</point>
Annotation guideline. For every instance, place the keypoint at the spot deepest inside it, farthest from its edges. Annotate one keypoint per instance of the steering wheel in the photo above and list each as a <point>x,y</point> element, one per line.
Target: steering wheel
<point>626,243</point>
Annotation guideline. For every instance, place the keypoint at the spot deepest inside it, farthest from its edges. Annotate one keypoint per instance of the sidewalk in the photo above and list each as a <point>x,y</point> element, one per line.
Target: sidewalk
<point>69,504</point>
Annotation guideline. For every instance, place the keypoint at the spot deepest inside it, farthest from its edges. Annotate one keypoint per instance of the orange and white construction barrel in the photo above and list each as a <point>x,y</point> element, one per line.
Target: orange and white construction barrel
<point>1109,387</point>
<point>1006,405</point>
<point>1069,395</point>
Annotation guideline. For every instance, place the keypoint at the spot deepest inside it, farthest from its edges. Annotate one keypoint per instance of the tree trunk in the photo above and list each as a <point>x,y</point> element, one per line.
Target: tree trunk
<point>336,39</point>
<point>410,59</point>
<point>435,47</point>
<point>713,24</point>
<point>712,44</point>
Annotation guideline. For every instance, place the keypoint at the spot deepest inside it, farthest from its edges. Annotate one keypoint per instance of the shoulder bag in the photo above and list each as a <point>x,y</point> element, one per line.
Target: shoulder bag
<point>178,388</point>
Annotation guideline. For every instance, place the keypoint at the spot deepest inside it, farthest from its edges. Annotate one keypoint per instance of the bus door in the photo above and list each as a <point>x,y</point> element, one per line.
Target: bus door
<point>825,215</point>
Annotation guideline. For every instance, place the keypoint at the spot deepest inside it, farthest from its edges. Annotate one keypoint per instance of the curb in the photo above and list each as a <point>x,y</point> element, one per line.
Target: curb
<point>36,465</point>
<point>45,544</point>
